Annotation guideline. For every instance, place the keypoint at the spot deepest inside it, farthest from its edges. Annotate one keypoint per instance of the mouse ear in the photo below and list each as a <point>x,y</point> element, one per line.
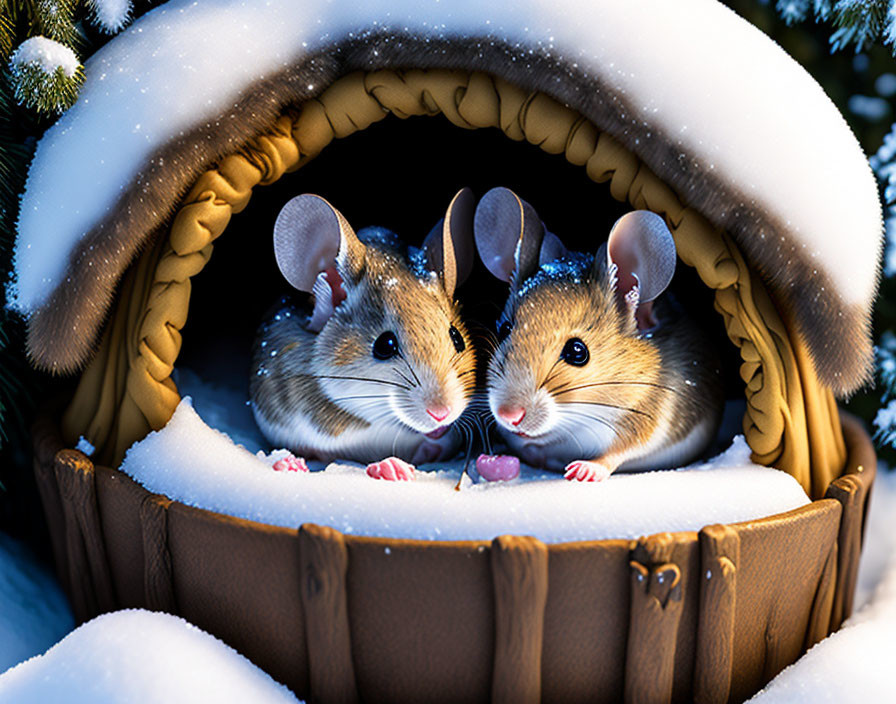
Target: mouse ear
<point>449,245</point>
<point>311,236</point>
<point>509,235</point>
<point>551,248</point>
<point>641,257</point>
<point>317,252</point>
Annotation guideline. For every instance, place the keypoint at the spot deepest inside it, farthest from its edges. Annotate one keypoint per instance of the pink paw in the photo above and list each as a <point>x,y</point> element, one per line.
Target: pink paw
<point>391,469</point>
<point>584,471</point>
<point>291,464</point>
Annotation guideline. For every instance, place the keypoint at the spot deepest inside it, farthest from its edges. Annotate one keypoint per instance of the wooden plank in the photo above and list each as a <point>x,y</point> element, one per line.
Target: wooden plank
<point>719,556</point>
<point>851,491</point>
<point>158,584</point>
<point>820,617</point>
<point>520,579</point>
<point>655,612</point>
<point>324,564</point>
<point>92,591</point>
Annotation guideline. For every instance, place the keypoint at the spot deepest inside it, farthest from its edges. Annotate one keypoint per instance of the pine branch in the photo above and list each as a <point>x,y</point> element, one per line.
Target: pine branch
<point>46,75</point>
<point>55,19</point>
<point>858,22</point>
<point>7,30</point>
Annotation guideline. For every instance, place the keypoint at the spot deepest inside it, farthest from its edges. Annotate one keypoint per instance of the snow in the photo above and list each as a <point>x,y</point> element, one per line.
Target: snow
<point>33,611</point>
<point>46,54</point>
<point>855,664</point>
<point>200,466</point>
<point>727,95</point>
<point>139,656</point>
<point>222,407</point>
<point>111,15</point>
<point>84,446</point>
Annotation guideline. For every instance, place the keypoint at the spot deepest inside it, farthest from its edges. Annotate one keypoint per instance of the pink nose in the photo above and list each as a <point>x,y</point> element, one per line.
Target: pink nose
<point>512,414</point>
<point>439,413</point>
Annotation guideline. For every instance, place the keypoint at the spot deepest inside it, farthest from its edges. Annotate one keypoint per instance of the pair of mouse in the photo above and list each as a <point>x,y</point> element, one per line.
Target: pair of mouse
<point>591,372</point>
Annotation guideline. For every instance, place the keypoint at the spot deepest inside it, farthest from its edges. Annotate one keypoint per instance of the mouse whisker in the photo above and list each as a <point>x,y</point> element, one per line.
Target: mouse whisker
<point>611,405</point>
<point>593,418</point>
<point>574,438</point>
<point>410,368</point>
<point>352,398</point>
<point>561,390</point>
<point>403,377</point>
<point>354,378</point>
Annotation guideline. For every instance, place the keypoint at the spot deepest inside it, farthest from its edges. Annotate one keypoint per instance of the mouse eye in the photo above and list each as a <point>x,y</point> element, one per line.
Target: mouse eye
<point>457,339</point>
<point>386,346</point>
<point>504,330</point>
<point>575,352</point>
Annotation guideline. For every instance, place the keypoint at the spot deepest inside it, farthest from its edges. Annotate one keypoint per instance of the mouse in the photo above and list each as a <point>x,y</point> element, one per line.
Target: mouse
<point>380,364</point>
<point>594,371</point>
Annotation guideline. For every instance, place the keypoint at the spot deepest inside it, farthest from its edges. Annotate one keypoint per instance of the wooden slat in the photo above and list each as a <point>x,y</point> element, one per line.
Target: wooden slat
<point>719,556</point>
<point>820,617</point>
<point>46,444</point>
<point>324,564</point>
<point>91,582</point>
<point>520,579</point>
<point>655,612</point>
<point>851,491</point>
<point>158,586</point>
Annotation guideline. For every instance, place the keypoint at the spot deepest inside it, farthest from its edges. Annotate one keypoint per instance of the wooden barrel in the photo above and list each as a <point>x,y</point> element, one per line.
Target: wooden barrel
<point>707,616</point>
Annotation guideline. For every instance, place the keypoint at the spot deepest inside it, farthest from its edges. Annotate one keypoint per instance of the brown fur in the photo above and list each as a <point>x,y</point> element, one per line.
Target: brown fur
<point>385,295</point>
<point>672,374</point>
<point>62,333</point>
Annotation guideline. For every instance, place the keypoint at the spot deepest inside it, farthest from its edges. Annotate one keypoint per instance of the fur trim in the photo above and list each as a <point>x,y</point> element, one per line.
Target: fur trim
<point>62,333</point>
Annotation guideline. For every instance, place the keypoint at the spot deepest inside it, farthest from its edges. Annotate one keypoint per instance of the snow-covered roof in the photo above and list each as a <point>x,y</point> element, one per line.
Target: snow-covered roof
<point>711,104</point>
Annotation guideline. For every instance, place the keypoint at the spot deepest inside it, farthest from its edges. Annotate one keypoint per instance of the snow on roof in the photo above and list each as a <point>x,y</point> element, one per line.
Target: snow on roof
<point>727,99</point>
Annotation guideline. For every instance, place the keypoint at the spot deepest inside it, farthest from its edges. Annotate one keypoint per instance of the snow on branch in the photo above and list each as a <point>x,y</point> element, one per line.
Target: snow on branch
<point>46,75</point>
<point>111,16</point>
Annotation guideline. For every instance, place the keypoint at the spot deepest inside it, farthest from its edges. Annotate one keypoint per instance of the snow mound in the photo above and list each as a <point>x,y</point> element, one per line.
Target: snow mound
<point>139,656</point>
<point>34,613</point>
<point>197,465</point>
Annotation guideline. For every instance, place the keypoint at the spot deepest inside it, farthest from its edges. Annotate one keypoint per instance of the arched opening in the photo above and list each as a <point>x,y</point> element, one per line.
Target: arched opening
<point>394,164</point>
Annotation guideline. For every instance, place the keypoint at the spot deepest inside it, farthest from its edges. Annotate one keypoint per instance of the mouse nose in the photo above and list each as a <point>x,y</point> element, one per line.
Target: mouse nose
<point>512,414</point>
<point>439,413</point>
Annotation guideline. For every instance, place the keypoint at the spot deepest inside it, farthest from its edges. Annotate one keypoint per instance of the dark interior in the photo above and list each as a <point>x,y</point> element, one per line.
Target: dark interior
<point>402,174</point>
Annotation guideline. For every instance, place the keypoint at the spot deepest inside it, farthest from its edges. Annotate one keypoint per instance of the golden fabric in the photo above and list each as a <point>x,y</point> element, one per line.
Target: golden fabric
<point>791,421</point>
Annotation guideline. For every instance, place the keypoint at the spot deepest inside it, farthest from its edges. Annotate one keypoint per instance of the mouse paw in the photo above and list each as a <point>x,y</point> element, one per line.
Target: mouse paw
<point>585,471</point>
<point>391,469</point>
<point>291,464</point>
